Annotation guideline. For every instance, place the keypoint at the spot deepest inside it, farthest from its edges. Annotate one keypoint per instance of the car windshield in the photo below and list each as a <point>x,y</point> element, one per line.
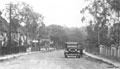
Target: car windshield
<point>72,46</point>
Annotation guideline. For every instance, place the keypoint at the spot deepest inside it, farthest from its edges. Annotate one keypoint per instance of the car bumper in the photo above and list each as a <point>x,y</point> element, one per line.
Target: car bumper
<point>70,54</point>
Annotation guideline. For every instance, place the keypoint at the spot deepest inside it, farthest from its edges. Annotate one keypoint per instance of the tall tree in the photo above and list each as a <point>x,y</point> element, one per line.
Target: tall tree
<point>99,9</point>
<point>22,13</point>
<point>116,10</point>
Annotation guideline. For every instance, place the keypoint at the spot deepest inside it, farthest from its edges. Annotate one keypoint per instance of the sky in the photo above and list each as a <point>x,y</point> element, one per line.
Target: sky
<point>60,12</point>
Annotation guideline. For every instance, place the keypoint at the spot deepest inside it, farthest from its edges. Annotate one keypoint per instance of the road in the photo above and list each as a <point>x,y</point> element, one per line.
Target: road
<point>53,60</point>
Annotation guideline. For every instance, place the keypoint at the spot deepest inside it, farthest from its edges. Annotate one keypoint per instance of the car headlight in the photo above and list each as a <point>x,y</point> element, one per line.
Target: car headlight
<point>78,51</point>
<point>75,49</point>
<point>69,49</point>
<point>66,51</point>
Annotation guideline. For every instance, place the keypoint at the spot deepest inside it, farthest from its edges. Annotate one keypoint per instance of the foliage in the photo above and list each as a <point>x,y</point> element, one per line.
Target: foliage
<point>98,28</point>
<point>60,34</point>
<point>91,36</point>
<point>57,34</point>
<point>22,13</point>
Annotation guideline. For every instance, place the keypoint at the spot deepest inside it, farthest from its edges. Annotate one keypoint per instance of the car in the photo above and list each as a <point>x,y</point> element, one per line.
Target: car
<point>72,49</point>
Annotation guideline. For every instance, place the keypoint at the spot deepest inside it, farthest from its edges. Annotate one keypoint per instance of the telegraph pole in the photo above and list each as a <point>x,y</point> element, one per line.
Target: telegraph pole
<point>98,39</point>
<point>118,29</point>
<point>98,30</point>
<point>9,41</point>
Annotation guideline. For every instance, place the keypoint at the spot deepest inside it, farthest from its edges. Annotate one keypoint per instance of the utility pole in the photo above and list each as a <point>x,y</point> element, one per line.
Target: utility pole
<point>9,41</point>
<point>98,30</point>
<point>98,39</point>
<point>118,28</point>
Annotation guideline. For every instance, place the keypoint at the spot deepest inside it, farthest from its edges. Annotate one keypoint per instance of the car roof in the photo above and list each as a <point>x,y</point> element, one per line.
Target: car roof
<point>71,42</point>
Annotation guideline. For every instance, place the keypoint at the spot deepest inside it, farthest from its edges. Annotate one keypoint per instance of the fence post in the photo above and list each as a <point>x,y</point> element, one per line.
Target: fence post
<point>118,51</point>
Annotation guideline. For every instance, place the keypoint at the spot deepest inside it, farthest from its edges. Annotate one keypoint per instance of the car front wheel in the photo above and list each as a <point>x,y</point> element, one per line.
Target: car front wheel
<point>65,56</point>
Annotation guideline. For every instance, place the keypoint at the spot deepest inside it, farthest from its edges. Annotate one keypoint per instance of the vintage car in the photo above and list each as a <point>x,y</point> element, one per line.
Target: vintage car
<point>72,49</point>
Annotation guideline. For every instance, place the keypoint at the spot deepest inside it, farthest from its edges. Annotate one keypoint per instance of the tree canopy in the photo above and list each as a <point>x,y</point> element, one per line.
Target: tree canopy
<point>23,14</point>
<point>105,15</point>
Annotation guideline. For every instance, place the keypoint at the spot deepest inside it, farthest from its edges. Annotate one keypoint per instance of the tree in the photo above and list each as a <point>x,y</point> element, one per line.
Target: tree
<point>57,34</point>
<point>23,13</point>
<point>99,9</point>
<point>60,35</point>
<point>116,9</point>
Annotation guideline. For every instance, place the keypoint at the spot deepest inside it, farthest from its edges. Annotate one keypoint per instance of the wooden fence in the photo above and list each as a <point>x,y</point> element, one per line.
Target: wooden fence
<point>112,51</point>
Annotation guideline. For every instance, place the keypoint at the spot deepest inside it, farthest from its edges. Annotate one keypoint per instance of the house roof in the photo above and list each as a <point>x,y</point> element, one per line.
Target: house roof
<point>3,24</point>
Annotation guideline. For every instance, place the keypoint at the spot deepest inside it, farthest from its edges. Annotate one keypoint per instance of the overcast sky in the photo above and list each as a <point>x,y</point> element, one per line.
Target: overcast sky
<point>61,12</point>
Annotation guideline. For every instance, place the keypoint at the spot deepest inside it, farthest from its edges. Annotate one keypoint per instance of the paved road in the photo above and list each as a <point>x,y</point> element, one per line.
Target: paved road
<point>53,60</point>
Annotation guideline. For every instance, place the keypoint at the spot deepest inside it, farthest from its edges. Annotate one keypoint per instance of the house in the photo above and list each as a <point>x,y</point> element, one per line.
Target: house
<point>3,29</point>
